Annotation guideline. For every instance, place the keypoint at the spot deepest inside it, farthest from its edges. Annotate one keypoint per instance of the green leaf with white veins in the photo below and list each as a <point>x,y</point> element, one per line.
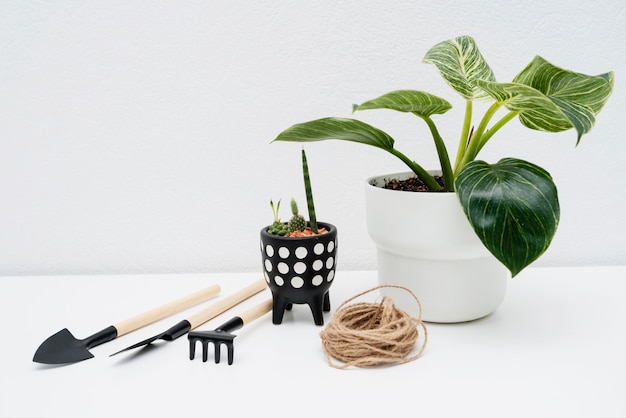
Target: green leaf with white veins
<point>337,128</point>
<point>552,99</point>
<point>513,207</point>
<point>532,105</point>
<point>418,102</point>
<point>460,63</point>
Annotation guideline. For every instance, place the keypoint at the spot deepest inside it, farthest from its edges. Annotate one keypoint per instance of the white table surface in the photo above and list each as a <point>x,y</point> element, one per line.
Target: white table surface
<point>556,347</point>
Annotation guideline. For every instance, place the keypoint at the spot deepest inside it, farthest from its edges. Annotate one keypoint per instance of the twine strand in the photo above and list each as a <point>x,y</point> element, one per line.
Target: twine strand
<point>371,334</point>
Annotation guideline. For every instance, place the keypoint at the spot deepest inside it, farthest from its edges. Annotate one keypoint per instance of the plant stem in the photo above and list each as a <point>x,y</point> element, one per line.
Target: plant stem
<point>428,180</point>
<point>442,152</point>
<point>463,141</point>
<point>309,193</point>
<point>476,140</point>
<point>495,128</point>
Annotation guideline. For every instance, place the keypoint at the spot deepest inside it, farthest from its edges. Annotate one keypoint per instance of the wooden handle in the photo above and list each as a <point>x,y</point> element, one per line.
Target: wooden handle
<point>226,303</point>
<point>166,310</point>
<point>256,312</point>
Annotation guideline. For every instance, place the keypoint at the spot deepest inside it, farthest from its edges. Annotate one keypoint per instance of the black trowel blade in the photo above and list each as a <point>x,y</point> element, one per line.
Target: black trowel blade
<point>62,348</point>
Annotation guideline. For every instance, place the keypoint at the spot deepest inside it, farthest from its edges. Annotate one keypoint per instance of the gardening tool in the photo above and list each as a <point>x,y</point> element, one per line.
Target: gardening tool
<point>63,347</point>
<point>201,317</point>
<point>222,335</point>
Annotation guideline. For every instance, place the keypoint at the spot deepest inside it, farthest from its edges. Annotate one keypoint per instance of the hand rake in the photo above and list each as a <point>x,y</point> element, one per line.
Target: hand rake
<point>221,335</point>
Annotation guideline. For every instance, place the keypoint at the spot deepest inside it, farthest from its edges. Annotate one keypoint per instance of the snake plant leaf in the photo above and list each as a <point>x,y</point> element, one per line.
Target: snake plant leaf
<point>418,102</point>
<point>556,99</point>
<point>337,128</point>
<point>460,63</point>
<point>513,207</point>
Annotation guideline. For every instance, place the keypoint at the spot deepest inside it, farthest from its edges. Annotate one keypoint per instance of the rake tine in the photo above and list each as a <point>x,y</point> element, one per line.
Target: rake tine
<point>192,348</point>
<point>205,351</point>
<point>218,353</point>
<point>230,348</point>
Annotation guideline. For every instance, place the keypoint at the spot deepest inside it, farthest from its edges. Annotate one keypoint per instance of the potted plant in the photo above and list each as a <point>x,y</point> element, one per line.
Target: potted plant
<point>511,205</point>
<point>299,258</point>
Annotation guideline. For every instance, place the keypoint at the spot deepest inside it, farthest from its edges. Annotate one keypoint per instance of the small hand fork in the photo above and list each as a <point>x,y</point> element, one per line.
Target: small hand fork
<point>221,335</point>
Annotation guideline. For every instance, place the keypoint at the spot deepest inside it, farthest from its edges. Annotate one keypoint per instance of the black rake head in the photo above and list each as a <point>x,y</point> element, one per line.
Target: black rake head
<point>216,337</point>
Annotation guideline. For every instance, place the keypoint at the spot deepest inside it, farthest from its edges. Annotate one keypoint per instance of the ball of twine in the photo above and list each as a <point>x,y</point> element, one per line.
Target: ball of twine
<point>371,334</point>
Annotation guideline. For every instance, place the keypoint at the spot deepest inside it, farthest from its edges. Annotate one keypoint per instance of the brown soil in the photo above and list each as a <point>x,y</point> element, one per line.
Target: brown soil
<point>412,184</point>
<point>307,233</point>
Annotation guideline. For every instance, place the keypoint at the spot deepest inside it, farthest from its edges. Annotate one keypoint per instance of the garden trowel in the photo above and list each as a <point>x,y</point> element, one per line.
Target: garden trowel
<point>63,347</point>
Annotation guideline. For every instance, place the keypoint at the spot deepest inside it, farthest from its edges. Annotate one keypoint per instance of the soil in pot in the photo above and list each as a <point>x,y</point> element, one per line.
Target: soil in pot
<point>412,184</point>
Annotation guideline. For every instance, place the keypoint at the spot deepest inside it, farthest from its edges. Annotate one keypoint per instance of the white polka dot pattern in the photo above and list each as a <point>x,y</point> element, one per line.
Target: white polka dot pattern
<point>317,280</point>
<point>299,267</point>
<point>314,264</point>
<point>297,282</point>
<point>301,252</point>
<point>317,265</point>
<point>283,268</point>
<point>330,262</point>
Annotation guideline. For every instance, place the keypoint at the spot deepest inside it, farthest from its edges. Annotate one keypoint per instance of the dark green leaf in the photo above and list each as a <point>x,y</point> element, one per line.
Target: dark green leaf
<point>513,207</point>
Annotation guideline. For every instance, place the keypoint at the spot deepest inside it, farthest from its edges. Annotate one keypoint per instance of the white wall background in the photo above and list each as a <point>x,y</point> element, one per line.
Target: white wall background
<point>134,135</point>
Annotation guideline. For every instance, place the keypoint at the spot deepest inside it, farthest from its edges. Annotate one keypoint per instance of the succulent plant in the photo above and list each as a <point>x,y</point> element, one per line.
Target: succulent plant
<point>297,221</point>
<point>277,228</point>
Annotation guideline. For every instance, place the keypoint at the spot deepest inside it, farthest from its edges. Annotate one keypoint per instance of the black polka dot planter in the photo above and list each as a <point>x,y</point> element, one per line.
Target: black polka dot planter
<point>300,271</point>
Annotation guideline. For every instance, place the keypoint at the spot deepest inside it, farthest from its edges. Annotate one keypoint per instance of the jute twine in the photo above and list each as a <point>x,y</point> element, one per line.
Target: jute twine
<point>371,334</point>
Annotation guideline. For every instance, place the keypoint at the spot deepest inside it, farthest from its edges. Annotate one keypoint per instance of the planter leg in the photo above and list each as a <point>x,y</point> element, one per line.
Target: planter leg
<point>326,302</point>
<point>317,303</point>
<point>278,309</point>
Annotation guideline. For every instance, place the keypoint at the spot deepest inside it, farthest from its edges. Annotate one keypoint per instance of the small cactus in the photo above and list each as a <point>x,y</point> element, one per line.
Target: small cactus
<point>297,222</point>
<point>277,228</point>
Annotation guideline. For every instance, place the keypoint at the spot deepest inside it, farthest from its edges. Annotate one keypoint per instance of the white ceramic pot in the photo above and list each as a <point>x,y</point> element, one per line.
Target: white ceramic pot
<point>426,244</point>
